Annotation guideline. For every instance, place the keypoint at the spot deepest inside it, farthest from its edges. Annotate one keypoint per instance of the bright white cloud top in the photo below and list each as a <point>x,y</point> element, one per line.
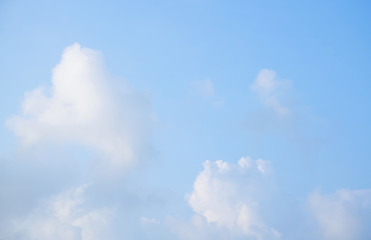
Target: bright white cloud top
<point>233,196</point>
<point>82,107</point>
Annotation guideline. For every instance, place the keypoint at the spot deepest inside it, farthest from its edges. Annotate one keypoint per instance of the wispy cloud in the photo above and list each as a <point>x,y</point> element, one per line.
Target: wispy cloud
<point>205,89</point>
<point>270,90</point>
<point>146,220</point>
<point>344,215</point>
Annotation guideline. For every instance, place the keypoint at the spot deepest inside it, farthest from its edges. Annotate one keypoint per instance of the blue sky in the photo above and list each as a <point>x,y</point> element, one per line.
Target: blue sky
<point>144,93</point>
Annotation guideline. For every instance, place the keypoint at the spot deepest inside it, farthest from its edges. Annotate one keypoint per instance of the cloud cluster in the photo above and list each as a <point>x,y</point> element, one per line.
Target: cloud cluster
<point>239,201</point>
<point>82,107</point>
<point>228,200</point>
<point>233,196</point>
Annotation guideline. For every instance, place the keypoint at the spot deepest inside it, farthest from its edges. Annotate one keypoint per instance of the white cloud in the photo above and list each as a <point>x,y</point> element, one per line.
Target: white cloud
<point>232,196</point>
<point>82,107</point>
<point>65,216</point>
<point>344,215</point>
<point>238,201</point>
<point>270,90</point>
<point>263,166</point>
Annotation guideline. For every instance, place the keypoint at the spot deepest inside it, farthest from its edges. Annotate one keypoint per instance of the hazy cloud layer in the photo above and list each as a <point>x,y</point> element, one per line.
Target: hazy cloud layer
<point>344,215</point>
<point>204,88</point>
<point>65,216</point>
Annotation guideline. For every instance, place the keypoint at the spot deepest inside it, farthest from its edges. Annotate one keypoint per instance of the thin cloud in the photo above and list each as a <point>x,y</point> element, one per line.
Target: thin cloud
<point>205,90</point>
<point>270,90</point>
<point>344,215</point>
<point>146,220</point>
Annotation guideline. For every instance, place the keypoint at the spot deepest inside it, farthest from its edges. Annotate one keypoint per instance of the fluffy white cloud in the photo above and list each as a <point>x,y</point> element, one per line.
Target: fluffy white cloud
<point>270,90</point>
<point>65,216</point>
<point>238,201</point>
<point>82,107</point>
<point>344,215</point>
<point>233,196</point>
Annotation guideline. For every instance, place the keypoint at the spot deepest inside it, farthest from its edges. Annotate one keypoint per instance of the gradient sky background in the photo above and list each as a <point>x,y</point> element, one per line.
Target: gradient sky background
<point>191,66</point>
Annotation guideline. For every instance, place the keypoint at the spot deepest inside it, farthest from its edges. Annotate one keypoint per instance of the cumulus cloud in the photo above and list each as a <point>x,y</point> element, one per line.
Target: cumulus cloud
<point>65,216</point>
<point>344,215</point>
<point>269,90</point>
<point>229,200</point>
<point>85,114</point>
<point>233,196</point>
<point>83,107</point>
<point>238,201</point>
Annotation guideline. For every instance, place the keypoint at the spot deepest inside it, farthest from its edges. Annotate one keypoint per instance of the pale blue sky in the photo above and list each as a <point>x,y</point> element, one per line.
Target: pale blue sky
<point>166,49</point>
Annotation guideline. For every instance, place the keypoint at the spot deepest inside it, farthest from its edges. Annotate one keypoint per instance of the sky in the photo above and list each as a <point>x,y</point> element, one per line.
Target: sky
<point>191,119</point>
